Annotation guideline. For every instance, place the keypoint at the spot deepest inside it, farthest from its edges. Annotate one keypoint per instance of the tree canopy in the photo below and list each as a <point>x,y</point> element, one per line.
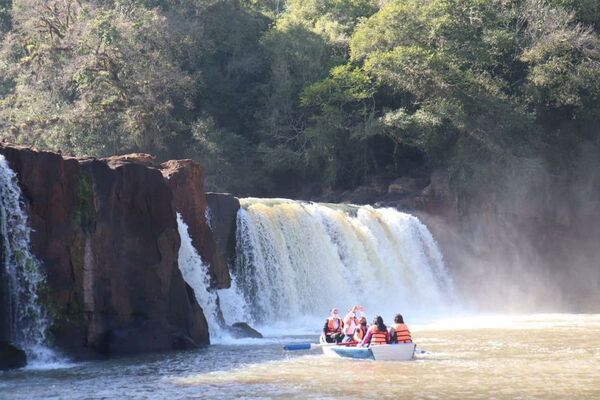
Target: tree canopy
<point>272,95</point>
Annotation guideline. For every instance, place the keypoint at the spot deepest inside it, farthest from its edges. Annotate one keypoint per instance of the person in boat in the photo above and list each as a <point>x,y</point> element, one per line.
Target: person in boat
<point>361,330</point>
<point>377,334</point>
<point>399,332</point>
<point>332,330</point>
<point>351,323</point>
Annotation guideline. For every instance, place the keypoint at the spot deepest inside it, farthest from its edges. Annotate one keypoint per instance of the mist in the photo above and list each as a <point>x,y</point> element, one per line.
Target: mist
<point>533,244</point>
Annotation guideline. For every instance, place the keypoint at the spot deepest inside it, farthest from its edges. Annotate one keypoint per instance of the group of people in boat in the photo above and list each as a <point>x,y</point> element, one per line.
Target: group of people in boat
<point>352,330</point>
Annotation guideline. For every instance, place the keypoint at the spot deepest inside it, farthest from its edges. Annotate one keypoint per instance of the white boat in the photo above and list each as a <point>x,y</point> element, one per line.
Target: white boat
<point>382,352</point>
<point>394,352</point>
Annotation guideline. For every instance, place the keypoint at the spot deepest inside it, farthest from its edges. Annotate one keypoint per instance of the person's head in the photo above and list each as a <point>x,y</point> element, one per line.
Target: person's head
<point>398,319</point>
<point>379,322</point>
<point>334,312</point>
<point>363,321</point>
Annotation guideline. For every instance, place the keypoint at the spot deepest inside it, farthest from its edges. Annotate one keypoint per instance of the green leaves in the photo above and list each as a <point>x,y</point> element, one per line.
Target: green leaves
<point>326,91</point>
<point>341,109</point>
<point>564,67</point>
<point>345,84</point>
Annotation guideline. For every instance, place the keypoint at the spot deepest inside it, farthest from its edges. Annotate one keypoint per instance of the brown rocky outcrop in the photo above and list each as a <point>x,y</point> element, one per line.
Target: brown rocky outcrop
<point>223,214</point>
<point>49,186</point>
<point>106,233</point>
<point>186,180</point>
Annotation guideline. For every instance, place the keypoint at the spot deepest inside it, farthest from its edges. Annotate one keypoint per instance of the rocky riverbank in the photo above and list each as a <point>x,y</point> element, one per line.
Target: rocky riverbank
<point>105,231</point>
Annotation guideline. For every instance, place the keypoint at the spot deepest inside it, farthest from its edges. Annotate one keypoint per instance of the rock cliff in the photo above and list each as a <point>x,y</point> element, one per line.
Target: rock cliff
<point>186,181</point>
<point>223,214</point>
<point>106,233</point>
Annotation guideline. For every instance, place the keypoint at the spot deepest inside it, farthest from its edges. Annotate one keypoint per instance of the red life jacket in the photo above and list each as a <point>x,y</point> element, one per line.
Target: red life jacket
<point>402,333</point>
<point>377,336</point>
<point>331,325</point>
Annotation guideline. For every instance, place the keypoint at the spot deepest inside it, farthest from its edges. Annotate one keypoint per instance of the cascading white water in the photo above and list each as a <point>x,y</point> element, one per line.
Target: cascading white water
<point>233,304</point>
<point>297,259</point>
<point>28,320</point>
<point>208,217</point>
<point>195,273</point>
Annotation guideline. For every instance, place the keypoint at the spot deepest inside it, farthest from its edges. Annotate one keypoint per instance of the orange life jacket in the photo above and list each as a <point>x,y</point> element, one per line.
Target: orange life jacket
<point>360,333</point>
<point>331,325</point>
<point>377,336</point>
<point>402,333</point>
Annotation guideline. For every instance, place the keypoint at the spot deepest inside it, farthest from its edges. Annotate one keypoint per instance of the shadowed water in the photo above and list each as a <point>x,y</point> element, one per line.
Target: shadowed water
<point>500,357</point>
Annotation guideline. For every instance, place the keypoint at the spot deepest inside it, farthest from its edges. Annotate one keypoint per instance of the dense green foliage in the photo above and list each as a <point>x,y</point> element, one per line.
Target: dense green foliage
<point>272,95</point>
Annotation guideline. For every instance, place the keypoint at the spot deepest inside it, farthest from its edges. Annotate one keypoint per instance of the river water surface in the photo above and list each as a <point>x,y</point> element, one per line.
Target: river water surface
<point>551,356</point>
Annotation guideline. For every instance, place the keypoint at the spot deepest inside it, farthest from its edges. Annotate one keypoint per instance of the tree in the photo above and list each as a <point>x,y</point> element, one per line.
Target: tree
<point>5,20</point>
<point>341,119</point>
<point>93,80</point>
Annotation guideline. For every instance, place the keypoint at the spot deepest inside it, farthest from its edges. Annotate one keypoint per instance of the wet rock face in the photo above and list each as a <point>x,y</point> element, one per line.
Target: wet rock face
<point>11,357</point>
<point>186,181</point>
<point>48,184</point>
<point>241,330</point>
<point>130,250</point>
<point>223,214</point>
<point>106,233</point>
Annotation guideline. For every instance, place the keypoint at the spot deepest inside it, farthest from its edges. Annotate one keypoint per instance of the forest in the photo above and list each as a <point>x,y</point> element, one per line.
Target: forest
<point>272,96</point>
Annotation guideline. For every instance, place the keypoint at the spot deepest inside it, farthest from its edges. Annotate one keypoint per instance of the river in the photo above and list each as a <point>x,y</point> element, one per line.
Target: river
<point>543,356</point>
<point>295,260</point>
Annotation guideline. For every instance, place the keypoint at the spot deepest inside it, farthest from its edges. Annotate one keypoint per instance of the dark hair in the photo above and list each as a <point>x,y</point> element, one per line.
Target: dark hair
<point>379,322</point>
<point>398,319</point>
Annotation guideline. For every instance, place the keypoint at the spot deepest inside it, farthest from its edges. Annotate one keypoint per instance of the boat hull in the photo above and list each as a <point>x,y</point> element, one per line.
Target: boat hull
<point>384,352</point>
<point>394,352</point>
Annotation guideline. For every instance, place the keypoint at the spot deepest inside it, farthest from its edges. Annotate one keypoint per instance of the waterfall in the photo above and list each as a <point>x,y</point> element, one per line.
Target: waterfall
<point>296,260</point>
<point>195,273</point>
<point>208,217</point>
<point>233,304</point>
<point>27,320</point>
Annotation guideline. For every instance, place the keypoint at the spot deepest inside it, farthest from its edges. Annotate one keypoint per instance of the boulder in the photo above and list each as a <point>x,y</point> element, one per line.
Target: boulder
<point>406,185</point>
<point>437,197</point>
<point>186,180</point>
<point>362,195</point>
<point>241,330</point>
<point>11,357</point>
